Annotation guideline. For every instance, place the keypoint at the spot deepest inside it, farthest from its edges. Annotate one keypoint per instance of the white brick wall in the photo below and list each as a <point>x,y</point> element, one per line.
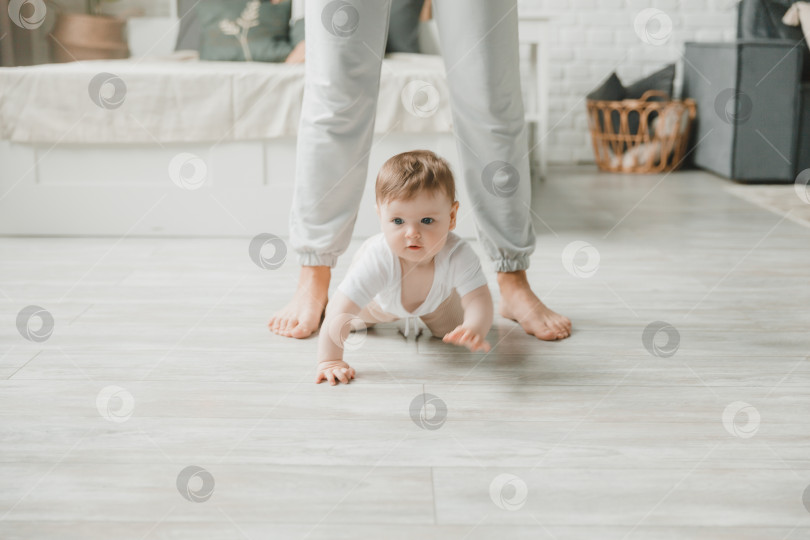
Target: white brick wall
<point>589,39</point>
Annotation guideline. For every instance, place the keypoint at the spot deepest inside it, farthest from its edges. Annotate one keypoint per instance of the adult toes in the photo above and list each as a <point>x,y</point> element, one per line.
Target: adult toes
<point>544,332</point>
<point>300,331</point>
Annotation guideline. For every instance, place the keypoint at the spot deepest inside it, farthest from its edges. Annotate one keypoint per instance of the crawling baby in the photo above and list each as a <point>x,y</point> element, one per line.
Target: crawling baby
<point>415,268</point>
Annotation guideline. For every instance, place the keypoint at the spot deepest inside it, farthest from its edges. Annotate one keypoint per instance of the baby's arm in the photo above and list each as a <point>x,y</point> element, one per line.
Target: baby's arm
<point>473,331</point>
<point>341,317</point>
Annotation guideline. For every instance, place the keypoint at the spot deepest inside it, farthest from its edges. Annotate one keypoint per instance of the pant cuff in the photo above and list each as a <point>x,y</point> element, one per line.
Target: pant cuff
<point>315,259</point>
<point>511,265</point>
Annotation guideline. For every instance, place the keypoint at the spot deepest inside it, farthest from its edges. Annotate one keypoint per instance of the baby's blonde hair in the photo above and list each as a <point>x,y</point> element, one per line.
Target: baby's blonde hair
<point>405,175</point>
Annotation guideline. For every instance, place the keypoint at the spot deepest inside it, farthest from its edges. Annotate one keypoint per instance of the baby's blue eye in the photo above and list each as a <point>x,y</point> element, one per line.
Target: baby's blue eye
<point>427,220</point>
<point>397,221</point>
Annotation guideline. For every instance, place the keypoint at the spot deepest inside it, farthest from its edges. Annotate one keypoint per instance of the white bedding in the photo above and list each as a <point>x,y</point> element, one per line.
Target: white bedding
<point>182,99</point>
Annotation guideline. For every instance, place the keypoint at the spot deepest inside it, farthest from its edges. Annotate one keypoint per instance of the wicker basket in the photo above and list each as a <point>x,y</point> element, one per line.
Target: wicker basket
<point>79,36</point>
<point>639,135</point>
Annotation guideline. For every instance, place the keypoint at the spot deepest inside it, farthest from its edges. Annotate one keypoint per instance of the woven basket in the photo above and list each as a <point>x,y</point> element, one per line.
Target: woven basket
<point>88,37</point>
<point>638,135</point>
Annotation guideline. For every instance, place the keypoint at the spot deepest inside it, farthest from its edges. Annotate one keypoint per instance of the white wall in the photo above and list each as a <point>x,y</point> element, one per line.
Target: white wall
<point>592,38</point>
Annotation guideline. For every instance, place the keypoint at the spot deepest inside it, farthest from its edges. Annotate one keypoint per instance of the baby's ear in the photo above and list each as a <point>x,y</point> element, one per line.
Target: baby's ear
<point>453,212</point>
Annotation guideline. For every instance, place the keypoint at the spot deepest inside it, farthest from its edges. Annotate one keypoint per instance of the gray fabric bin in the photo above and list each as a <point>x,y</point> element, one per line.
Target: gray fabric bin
<point>748,95</point>
<point>804,130</point>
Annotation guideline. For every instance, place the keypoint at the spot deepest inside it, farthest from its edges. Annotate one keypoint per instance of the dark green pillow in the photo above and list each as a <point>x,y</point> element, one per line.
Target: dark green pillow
<point>660,80</point>
<point>610,90</point>
<point>268,41</point>
<point>297,32</point>
<point>403,26</point>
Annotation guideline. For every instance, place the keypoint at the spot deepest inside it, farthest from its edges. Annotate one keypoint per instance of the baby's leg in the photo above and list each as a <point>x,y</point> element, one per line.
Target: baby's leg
<point>446,317</point>
<point>373,313</point>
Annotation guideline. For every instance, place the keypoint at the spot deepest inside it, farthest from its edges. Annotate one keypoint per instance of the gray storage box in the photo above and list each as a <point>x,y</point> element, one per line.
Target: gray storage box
<point>748,96</point>
<point>804,130</point>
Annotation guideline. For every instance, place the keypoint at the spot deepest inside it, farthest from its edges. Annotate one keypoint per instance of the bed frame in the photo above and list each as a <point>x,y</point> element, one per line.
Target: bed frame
<point>128,190</point>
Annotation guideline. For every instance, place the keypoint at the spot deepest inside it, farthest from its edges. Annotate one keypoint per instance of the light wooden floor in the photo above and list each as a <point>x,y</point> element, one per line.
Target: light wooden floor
<point>160,360</point>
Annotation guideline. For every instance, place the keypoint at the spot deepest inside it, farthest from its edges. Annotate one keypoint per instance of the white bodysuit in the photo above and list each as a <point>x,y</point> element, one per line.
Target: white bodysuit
<point>375,273</point>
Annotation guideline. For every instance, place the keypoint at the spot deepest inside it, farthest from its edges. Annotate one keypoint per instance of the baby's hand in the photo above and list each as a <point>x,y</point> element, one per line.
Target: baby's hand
<point>334,369</point>
<point>466,337</point>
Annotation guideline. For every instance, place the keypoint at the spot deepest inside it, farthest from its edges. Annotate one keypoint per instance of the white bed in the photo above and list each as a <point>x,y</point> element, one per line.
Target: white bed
<point>69,166</point>
<point>179,99</point>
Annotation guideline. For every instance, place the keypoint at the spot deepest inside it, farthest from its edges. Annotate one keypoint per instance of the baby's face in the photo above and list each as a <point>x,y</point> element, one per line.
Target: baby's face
<point>416,229</point>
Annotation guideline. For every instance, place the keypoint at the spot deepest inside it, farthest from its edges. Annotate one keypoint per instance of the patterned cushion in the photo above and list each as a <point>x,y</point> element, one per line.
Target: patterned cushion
<point>252,30</point>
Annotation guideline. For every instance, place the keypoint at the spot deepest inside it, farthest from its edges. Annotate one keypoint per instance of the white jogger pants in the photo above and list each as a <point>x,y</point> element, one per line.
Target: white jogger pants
<point>343,61</point>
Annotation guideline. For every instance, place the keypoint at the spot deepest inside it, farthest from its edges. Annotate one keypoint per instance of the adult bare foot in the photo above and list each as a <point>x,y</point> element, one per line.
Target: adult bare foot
<point>520,304</point>
<point>302,316</point>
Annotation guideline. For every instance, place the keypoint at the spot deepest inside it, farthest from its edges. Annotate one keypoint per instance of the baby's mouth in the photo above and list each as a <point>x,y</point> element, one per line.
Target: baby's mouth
<point>414,247</point>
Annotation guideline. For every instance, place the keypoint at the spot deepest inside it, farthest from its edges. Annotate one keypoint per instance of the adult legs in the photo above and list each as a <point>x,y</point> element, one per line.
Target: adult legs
<point>483,71</point>
<point>345,42</point>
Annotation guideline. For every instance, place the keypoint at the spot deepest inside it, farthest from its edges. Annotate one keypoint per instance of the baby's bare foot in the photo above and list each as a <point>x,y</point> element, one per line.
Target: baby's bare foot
<point>302,316</point>
<point>520,304</point>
